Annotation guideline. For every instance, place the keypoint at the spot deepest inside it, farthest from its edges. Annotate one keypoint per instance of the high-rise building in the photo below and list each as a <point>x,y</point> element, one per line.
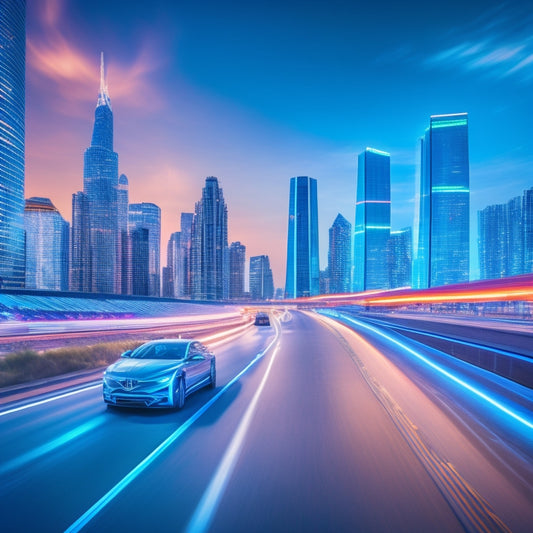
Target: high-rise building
<point>80,245</point>
<point>302,278</point>
<point>183,267</point>
<point>442,225</point>
<point>237,258</point>
<point>400,250</point>
<point>12,117</point>
<point>47,246</point>
<point>140,261</point>
<point>209,252</point>
<point>148,216</point>
<point>170,285</point>
<point>100,183</point>
<point>261,280</point>
<point>125,240</point>
<point>340,256</point>
<point>527,218</point>
<point>372,221</point>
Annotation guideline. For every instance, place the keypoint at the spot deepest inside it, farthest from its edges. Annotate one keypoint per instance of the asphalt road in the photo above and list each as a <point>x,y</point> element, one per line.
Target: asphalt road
<point>324,432</point>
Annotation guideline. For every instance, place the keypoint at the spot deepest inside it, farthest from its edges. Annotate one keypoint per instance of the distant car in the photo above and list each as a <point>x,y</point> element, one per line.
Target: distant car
<point>261,319</point>
<point>159,373</point>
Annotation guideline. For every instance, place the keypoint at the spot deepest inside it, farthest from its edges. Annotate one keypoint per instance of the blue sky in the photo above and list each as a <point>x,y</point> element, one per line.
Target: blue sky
<point>257,92</point>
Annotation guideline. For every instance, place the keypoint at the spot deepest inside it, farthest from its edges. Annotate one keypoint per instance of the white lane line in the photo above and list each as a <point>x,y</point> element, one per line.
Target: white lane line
<point>51,399</point>
<point>83,520</point>
<point>208,505</point>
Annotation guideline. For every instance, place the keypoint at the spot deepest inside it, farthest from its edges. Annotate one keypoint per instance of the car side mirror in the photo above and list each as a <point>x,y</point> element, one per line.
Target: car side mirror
<point>127,353</point>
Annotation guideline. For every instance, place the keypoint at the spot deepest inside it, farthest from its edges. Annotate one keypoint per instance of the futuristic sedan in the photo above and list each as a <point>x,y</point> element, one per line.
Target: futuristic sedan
<point>159,373</point>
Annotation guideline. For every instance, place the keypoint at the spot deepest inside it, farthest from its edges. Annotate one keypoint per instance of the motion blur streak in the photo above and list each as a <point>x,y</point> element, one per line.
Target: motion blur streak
<point>51,399</point>
<point>149,459</point>
<point>203,515</point>
<point>479,393</point>
<point>52,445</point>
<point>226,333</point>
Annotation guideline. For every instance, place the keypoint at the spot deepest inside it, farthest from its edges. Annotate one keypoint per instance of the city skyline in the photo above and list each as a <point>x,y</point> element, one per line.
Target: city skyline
<point>255,140</point>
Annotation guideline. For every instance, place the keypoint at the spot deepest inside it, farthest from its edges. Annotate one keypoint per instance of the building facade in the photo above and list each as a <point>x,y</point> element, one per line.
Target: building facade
<point>372,221</point>
<point>12,130</point>
<point>261,280</point>
<point>442,221</point>
<point>47,246</point>
<point>148,216</point>
<point>303,271</point>
<point>125,240</point>
<point>100,184</point>
<point>400,251</point>
<point>237,259</point>
<point>183,275</point>
<point>140,262</point>
<point>80,245</point>
<point>340,256</point>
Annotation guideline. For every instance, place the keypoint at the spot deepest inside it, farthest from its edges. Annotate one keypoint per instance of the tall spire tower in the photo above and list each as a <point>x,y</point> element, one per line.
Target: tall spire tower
<point>100,184</point>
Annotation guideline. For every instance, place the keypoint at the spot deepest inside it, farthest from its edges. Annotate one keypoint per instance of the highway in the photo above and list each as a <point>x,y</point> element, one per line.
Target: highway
<point>315,425</point>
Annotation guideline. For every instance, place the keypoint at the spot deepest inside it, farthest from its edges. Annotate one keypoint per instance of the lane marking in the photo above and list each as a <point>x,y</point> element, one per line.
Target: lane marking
<point>52,445</point>
<point>84,519</point>
<point>208,505</point>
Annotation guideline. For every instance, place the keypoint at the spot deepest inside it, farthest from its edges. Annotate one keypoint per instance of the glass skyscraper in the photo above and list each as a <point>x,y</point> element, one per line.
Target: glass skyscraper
<point>400,251</point>
<point>372,221</point>
<point>237,258</point>
<point>100,184</point>
<point>47,246</point>
<point>12,116</point>
<point>261,280</point>
<point>209,253</point>
<point>340,256</point>
<point>80,245</point>
<point>183,280</point>
<point>125,240</point>
<point>148,216</point>
<point>442,225</point>
<point>302,277</point>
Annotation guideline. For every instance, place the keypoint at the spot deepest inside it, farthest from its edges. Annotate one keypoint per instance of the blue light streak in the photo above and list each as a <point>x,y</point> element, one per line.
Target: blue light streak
<point>471,388</point>
<point>81,522</point>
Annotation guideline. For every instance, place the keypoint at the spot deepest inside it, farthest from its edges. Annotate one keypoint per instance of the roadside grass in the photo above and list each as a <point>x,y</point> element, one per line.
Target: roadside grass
<point>28,365</point>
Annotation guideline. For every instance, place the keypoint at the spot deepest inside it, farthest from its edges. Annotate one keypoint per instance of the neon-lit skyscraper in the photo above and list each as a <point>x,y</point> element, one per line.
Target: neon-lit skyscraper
<point>400,252</point>
<point>442,225</point>
<point>12,115</point>
<point>148,216</point>
<point>372,221</point>
<point>100,182</point>
<point>302,278</point>
<point>340,256</point>
<point>47,246</point>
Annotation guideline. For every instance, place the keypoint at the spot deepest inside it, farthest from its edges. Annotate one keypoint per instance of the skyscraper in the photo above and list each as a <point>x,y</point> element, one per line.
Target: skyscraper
<point>237,258</point>
<point>400,250</point>
<point>80,245</point>
<point>261,281</point>
<point>170,285</point>
<point>340,256</point>
<point>100,182</point>
<point>442,225</point>
<point>125,240</point>
<point>209,253</point>
<point>12,116</point>
<point>302,278</point>
<point>47,246</point>
<point>148,216</point>
<point>183,281</point>
<point>372,221</point>
<point>140,261</point>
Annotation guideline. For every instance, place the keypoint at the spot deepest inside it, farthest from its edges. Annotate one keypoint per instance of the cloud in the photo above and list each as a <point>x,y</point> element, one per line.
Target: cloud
<point>58,64</point>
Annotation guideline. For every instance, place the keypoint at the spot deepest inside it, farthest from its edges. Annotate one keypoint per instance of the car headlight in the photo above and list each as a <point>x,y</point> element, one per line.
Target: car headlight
<point>164,379</point>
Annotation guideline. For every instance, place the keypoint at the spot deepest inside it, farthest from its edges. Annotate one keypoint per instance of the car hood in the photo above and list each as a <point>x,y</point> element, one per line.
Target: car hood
<point>143,368</point>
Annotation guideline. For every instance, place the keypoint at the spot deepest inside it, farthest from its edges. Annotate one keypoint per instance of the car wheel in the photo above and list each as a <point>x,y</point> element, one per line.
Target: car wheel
<point>213,382</point>
<point>179,393</point>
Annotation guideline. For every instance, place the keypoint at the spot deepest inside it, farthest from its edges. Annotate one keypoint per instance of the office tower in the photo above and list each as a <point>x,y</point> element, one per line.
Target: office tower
<point>209,255</point>
<point>324,282</point>
<point>372,221</point>
<point>12,116</point>
<point>80,248</point>
<point>183,269</point>
<point>148,216</point>
<point>237,258</point>
<point>173,266</point>
<point>47,246</point>
<point>441,240</point>
<point>261,281</point>
<point>516,223</point>
<point>302,278</point>
<point>340,256</point>
<point>527,221</point>
<point>493,241</point>
<point>125,241</point>
<point>400,258</point>
<point>100,183</point>
<point>140,261</point>
<point>167,283</point>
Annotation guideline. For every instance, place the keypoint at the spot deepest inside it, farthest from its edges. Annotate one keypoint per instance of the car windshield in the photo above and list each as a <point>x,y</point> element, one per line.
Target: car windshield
<point>161,350</point>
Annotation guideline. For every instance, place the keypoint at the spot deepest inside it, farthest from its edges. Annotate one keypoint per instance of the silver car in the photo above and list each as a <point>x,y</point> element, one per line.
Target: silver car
<point>159,373</point>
